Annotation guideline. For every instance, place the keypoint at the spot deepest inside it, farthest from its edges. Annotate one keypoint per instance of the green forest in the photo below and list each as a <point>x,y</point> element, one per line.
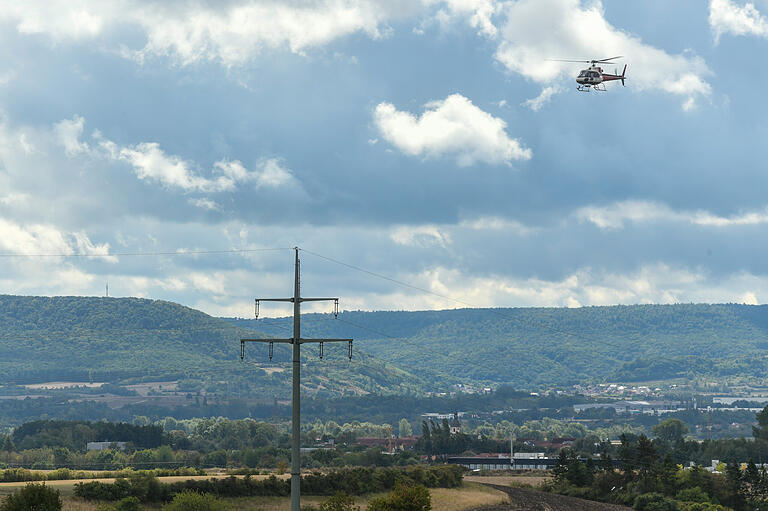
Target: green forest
<point>130,340</point>
<point>528,347</point>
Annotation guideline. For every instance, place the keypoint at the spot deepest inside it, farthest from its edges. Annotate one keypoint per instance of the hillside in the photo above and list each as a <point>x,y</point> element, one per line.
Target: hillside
<point>131,339</point>
<point>111,339</point>
<point>544,346</point>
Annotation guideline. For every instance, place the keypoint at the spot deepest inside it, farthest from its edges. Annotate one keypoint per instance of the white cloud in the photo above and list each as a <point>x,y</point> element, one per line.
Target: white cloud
<point>542,99</point>
<point>39,239</point>
<point>537,30</point>
<point>269,173</point>
<point>614,216</point>
<point>652,283</point>
<point>420,236</point>
<point>206,204</point>
<point>450,127</point>
<point>478,12</point>
<point>233,32</point>
<point>69,132</point>
<point>727,17</point>
<point>151,163</point>
<point>497,224</point>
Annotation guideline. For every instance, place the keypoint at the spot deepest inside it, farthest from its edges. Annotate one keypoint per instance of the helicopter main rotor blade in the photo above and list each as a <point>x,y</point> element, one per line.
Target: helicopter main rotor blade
<point>606,60</point>
<point>561,60</point>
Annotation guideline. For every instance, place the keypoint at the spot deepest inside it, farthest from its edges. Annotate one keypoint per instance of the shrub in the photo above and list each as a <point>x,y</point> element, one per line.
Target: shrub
<point>128,504</point>
<point>33,497</point>
<point>655,502</point>
<point>694,494</point>
<point>339,502</point>
<point>403,498</point>
<point>191,501</point>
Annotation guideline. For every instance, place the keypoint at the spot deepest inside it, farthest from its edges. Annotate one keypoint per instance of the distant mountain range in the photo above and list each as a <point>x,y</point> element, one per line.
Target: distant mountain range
<point>530,347</point>
<point>114,339</point>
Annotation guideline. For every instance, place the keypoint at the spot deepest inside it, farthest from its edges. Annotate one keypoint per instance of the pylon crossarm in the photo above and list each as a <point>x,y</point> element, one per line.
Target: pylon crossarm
<point>305,341</point>
<point>274,299</point>
<point>287,341</point>
<point>302,299</point>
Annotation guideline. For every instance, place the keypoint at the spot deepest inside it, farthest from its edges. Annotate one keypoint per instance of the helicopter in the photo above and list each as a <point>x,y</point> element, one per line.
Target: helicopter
<point>594,78</point>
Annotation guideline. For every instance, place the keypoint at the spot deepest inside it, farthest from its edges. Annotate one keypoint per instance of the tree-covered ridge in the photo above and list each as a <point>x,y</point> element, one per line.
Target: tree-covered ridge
<point>546,346</point>
<point>97,313</point>
<point>110,339</point>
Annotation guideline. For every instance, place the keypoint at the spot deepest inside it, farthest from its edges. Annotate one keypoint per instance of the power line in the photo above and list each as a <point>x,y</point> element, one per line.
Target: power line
<point>148,254</point>
<point>462,302</point>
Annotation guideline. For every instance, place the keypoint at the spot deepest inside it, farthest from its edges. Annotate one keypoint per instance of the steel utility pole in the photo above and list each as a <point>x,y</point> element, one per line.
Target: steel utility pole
<point>296,341</point>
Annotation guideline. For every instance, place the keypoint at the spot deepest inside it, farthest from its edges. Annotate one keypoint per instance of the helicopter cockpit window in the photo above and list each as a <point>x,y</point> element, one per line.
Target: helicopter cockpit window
<point>582,74</point>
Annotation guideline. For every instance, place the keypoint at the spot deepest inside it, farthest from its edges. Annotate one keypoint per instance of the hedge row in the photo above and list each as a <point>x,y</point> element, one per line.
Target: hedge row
<point>20,475</point>
<point>352,481</point>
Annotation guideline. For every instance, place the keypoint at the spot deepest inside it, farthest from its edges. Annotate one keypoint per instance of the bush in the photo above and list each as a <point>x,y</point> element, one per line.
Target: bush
<point>191,501</point>
<point>339,502</point>
<point>694,494</point>
<point>403,498</point>
<point>655,502</point>
<point>128,504</point>
<point>33,497</point>
<point>701,506</point>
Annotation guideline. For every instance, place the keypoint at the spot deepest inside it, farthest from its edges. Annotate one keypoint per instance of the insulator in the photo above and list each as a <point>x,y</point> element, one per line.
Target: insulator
<point>350,350</point>
<point>336,308</point>
<point>242,350</point>
<point>271,350</point>
<point>321,350</point>
<point>256,309</point>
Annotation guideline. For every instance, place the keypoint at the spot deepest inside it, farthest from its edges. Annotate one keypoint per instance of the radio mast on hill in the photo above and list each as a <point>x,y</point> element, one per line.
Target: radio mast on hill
<point>296,341</point>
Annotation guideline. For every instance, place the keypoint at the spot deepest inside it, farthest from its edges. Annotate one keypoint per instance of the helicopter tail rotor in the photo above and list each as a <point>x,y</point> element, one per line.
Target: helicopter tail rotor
<point>623,75</point>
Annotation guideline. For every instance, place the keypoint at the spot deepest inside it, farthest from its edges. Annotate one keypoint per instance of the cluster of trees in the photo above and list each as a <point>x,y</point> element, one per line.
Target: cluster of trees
<point>652,479</point>
<point>74,435</point>
<point>358,481</point>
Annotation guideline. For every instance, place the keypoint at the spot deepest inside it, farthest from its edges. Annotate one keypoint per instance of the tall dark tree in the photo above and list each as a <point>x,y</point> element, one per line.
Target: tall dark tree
<point>734,484</point>
<point>426,438</point>
<point>670,430</point>
<point>8,445</point>
<point>760,431</point>
<point>627,456</point>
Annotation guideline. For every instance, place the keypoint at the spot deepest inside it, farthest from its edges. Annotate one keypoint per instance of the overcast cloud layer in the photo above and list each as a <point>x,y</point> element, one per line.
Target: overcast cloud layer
<point>435,142</point>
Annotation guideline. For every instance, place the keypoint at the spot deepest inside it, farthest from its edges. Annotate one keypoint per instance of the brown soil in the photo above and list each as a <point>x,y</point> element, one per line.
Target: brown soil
<point>530,500</point>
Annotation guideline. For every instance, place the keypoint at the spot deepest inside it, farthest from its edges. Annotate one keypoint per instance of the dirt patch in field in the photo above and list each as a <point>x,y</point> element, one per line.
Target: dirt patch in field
<point>508,480</point>
<point>530,500</point>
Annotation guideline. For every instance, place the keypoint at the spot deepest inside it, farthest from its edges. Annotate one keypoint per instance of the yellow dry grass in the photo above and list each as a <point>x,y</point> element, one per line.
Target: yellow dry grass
<point>470,496</point>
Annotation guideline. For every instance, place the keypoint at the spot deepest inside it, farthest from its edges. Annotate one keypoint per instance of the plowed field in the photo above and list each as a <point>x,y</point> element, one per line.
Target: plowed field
<point>532,500</point>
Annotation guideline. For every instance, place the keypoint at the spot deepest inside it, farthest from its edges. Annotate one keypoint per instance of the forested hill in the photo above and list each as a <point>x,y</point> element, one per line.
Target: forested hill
<point>112,339</point>
<point>544,346</point>
<point>74,338</point>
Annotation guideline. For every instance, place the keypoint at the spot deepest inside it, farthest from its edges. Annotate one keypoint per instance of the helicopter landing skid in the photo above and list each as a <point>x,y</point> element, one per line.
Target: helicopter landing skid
<point>587,88</point>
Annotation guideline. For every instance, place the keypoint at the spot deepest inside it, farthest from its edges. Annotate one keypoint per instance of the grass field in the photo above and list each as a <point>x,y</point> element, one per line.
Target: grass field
<point>471,495</point>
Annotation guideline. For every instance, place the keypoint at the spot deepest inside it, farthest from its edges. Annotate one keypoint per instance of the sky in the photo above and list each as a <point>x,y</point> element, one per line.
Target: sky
<point>432,142</point>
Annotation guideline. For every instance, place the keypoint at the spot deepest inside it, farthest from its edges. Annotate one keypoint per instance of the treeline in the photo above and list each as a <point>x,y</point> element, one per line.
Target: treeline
<point>359,481</point>
<point>652,474</point>
<point>557,346</point>
<point>75,435</point>
<point>20,475</point>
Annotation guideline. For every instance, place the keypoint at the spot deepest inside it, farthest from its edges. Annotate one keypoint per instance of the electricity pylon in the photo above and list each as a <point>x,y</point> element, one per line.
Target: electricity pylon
<point>296,341</point>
